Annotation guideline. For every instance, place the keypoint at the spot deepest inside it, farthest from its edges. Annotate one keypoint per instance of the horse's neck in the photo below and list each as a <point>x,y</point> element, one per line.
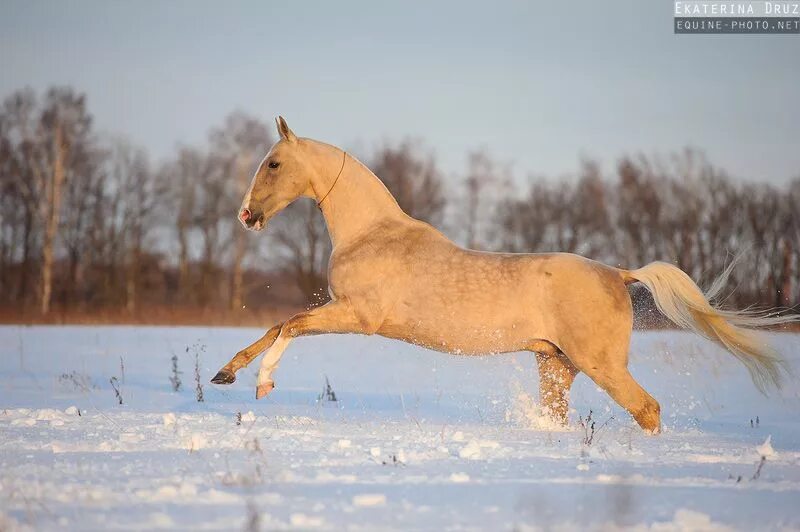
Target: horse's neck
<point>356,201</point>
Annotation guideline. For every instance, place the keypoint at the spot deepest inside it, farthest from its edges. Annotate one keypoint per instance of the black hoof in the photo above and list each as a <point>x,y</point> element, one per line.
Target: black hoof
<point>223,377</point>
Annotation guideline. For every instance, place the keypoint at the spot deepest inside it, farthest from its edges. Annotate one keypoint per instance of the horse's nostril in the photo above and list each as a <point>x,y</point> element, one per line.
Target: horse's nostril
<point>245,215</point>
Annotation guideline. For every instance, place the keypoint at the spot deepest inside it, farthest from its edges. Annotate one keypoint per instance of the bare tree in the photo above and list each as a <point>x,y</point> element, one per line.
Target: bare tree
<point>559,216</point>
<point>181,176</point>
<point>411,175</point>
<point>238,145</point>
<point>584,218</point>
<point>303,248</point>
<point>521,223</point>
<point>9,214</point>
<point>793,247</point>
<point>82,218</point>
<point>212,213</point>
<point>132,197</point>
<point>65,128</point>
<point>21,179</point>
<point>485,182</point>
<point>52,140</point>
<point>639,211</point>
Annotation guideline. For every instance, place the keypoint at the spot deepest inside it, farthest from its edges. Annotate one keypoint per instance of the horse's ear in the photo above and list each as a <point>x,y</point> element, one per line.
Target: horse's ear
<point>284,131</point>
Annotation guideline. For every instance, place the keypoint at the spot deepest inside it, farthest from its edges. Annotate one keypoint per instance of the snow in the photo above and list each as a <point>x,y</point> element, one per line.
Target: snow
<point>765,449</point>
<point>416,440</point>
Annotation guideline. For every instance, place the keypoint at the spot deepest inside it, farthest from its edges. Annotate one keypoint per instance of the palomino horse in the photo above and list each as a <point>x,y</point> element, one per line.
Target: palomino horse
<point>398,277</point>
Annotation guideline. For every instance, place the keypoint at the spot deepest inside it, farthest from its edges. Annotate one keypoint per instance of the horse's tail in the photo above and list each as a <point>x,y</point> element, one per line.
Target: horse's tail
<point>682,301</point>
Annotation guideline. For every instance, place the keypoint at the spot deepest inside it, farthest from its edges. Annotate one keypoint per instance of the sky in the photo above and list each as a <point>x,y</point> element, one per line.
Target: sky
<point>538,85</point>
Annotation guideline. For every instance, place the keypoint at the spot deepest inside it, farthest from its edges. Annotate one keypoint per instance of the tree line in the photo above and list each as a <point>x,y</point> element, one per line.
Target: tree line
<point>88,222</point>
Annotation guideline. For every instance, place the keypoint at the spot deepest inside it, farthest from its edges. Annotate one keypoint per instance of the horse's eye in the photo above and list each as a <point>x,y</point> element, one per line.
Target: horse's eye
<point>274,164</point>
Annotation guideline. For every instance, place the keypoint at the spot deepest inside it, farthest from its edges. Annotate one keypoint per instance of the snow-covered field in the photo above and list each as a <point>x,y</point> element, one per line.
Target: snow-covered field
<point>416,439</point>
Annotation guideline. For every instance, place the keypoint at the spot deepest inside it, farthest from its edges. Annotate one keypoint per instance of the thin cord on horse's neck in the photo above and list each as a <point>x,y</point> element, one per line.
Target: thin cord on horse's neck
<point>344,158</point>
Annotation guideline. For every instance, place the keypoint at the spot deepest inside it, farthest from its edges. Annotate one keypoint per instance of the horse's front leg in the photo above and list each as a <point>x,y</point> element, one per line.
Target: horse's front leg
<point>335,317</point>
<point>228,372</point>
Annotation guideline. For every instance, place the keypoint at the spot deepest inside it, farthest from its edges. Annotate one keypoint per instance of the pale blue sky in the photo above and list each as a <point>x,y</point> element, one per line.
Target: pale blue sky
<point>539,85</point>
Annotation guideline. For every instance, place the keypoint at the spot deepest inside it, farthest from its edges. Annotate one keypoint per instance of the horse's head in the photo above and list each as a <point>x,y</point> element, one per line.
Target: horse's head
<point>283,176</point>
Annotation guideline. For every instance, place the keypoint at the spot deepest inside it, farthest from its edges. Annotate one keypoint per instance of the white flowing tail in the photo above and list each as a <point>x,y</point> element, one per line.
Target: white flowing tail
<point>682,301</point>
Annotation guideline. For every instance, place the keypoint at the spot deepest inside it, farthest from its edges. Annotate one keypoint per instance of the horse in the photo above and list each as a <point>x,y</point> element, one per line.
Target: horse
<point>392,275</point>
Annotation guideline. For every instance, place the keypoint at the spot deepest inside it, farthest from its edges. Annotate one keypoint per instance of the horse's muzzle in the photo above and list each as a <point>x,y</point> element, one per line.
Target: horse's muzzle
<point>251,220</point>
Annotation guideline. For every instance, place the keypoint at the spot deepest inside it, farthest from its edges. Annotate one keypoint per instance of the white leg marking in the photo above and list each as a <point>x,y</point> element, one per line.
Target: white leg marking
<point>271,359</point>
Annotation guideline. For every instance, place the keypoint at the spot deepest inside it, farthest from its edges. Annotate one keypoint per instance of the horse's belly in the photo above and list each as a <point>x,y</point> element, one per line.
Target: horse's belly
<point>460,340</point>
<point>493,321</point>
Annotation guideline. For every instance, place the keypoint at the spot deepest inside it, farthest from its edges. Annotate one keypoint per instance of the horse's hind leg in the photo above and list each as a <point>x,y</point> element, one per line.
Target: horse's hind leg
<point>227,375</point>
<point>556,374</point>
<point>620,385</point>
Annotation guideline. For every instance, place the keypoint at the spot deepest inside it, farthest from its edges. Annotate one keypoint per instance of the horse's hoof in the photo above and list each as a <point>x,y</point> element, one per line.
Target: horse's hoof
<point>224,376</point>
<point>262,390</point>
